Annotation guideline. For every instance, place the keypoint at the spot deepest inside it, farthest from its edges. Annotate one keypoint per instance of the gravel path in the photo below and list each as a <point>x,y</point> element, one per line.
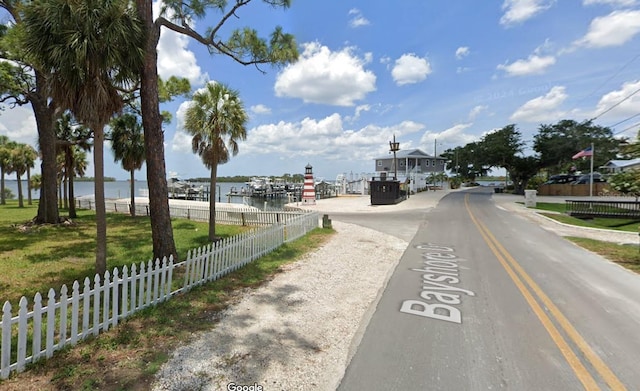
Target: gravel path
<point>297,331</point>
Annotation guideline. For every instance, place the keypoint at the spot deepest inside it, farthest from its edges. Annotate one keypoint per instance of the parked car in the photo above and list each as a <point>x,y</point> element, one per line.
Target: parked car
<point>584,179</point>
<point>561,178</point>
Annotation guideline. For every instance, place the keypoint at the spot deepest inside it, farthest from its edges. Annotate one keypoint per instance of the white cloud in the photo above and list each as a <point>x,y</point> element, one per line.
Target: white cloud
<point>477,110</point>
<point>542,108</point>
<point>331,140</point>
<point>628,107</point>
<point>181,141</point>
<point>358,20</point>
<point>174,58</point>
<point>19,124</point>
<point>326,77</point>
<point>462,52</point>
<point>614,3</point>
<point>260,109</point>
<point>447,138</point>
<point>533,65</point>
<point>358,111</point>
<point>519,11</point>
<point>615,29</point>
<point>410,69</point>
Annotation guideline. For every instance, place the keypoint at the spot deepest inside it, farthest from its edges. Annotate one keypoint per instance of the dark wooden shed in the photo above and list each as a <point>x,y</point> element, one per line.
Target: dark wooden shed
<point>385,192</point>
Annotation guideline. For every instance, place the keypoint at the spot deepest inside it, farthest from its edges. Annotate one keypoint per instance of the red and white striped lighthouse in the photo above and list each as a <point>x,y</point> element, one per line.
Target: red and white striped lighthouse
<point>309,189</point>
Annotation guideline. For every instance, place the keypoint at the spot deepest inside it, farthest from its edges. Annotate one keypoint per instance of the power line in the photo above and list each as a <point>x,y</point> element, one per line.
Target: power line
<point>610,78</point>
<point>625,129</point>
<point>616,105</point>
<point>624,120</point>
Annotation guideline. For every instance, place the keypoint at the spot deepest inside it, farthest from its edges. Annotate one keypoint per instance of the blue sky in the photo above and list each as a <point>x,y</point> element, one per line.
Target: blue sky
<point>433,73</point>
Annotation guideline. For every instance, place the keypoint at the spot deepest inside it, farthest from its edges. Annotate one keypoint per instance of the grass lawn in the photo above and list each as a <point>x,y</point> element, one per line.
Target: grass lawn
<point>624,255</point>
<point>627,225</point>
<point>127,357</point>
<point>36,258</point>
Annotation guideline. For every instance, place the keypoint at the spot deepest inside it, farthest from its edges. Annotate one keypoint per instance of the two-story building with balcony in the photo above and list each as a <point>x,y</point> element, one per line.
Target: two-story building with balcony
<point>412,164</point>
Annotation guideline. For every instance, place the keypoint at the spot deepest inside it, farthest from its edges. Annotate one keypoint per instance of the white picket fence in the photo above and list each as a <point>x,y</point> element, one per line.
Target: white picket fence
<point>65,319</point>
<point>246,216</point>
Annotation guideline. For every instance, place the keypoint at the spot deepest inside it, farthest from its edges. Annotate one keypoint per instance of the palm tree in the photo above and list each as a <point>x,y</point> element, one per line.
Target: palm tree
<point>5,155</point>
<point>79,162</point>
<point>30,159</point>
<point>94,49</point>
<point>36,181</point>
<point>67,174</point>
<point>70,137</point>
<point>216,118</point>
<point>61,182</point>
<point>18,163</point>
<point>127,142</point>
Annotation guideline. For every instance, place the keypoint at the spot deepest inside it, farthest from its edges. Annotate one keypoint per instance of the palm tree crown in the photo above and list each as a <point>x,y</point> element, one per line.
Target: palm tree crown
<point>127,142</point>
<point>91,47</point>
<point>217,120</point>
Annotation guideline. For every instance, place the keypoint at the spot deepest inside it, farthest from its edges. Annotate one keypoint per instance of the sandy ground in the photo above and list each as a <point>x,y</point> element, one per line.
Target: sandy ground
<point>295,332</point>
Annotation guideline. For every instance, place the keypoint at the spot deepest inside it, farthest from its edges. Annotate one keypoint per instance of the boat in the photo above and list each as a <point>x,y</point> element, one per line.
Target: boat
<point>184,190</point>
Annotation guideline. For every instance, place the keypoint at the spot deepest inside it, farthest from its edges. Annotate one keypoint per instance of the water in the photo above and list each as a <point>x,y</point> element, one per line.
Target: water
<point>121,189</point>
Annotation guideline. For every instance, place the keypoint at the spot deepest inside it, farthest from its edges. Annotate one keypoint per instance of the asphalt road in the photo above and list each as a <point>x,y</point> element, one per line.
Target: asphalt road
<point>482,300</point>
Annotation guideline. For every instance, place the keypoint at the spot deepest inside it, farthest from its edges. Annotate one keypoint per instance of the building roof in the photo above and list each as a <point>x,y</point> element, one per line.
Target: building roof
<point>622,163</point>
<point>409,153</point>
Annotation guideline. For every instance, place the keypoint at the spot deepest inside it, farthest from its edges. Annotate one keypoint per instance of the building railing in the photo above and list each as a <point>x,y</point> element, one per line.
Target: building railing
<point>64,318</point>
<point>611,209</point>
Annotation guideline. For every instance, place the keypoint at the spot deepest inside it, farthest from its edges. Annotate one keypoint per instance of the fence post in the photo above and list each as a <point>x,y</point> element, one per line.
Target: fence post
<point>51,323</point>
<point>22,334</point>
<point>63,316</point>
<point>5,349</point>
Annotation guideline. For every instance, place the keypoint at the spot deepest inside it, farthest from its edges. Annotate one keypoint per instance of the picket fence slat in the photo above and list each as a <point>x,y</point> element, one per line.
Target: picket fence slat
<point>67,320</point>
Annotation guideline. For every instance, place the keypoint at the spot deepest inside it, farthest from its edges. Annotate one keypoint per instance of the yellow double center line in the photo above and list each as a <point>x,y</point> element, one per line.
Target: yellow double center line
<point>530,290</point>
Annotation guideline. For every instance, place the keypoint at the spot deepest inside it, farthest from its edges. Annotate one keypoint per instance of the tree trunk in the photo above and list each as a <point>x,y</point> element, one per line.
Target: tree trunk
<point>212,203</point>
<point>71,174</point>
<point>29,200</point>
<point>67,175</point>
<point>48,206</point>
<point>72,200</point>
<point>132,190</point>
<point>2,198</point>
<point>101,216</point>
<point>161,230</point>
<point>60,197</point>
<point>65,191</point>
<point>20,201</point>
